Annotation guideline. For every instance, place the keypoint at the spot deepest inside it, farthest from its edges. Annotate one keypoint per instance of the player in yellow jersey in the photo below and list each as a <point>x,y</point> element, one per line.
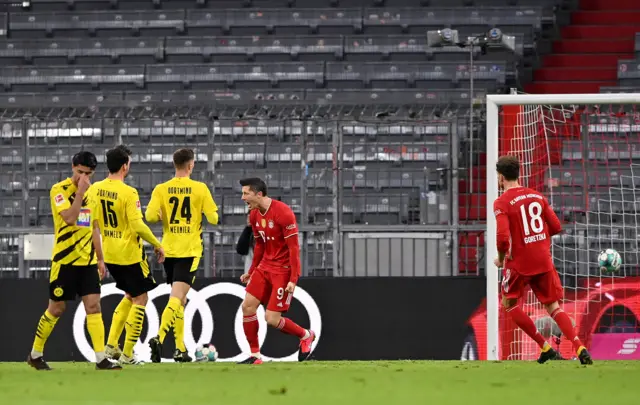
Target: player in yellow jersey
<point>77,264</point>
<point>122,231</point>
<point>179,203</point>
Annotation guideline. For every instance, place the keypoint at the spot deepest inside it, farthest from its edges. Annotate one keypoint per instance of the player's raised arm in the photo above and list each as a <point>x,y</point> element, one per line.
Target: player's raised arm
<point>62,206</point>
<point>290,231</point>
<point>209,207</point>
<point>552,220</point>
<point>153,213</point>
<point>503,235</point>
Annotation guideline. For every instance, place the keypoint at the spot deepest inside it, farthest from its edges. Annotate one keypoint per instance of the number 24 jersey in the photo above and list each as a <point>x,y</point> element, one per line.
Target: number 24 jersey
<point>180,203</point>
<point>526,222</point>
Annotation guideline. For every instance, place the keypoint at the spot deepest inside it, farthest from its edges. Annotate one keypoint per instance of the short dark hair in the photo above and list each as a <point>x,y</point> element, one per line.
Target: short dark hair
<point>182,156</point>
<point>255,184</point>
<point>509,167</point>
<point>85,158</point>
<point>117,157</point>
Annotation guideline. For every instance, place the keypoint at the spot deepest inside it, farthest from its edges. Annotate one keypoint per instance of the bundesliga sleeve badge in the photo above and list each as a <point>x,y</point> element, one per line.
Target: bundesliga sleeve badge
<point>59,199</point>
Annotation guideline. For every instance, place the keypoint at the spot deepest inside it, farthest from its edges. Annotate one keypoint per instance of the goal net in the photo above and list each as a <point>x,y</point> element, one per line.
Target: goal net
<point>583,153</point>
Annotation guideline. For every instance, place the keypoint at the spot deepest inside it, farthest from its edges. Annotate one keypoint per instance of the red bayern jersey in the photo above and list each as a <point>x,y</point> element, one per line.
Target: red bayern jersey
<point>272,228</point>
<point>525,223</point>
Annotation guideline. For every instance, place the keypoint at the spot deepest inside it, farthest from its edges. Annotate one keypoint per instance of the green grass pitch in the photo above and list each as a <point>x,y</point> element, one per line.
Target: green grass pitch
<point>327,383</point>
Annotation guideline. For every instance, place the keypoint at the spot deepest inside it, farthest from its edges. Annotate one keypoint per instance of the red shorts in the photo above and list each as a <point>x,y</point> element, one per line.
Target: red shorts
<point>546,286</point>
<point>269,288</point>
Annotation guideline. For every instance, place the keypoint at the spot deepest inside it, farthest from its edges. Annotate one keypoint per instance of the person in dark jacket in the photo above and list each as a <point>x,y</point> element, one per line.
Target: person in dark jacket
<point>244,247</point>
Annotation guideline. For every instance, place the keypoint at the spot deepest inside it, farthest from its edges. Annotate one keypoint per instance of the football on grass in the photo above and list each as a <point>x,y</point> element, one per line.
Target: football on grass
<point>609,261</point>
<point>206,352</point>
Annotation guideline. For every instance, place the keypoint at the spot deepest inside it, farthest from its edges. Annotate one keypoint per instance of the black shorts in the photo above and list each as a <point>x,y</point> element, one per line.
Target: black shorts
<point>181,269</point>
<point>133,279</point>
<point>67,282</point>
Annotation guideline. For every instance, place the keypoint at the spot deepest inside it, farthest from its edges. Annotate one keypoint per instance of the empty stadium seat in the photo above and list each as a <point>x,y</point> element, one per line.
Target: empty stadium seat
<point>431,75</point>
<point>293,21</point>
<point>184,63</point>
<point>72,78</point>
<point>100,23</point>
<point>293,75</point>
<point>82,51</point>
<point>253,48</point>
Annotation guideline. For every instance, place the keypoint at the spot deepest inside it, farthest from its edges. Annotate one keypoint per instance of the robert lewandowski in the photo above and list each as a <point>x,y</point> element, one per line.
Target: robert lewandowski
<point>275,269</point>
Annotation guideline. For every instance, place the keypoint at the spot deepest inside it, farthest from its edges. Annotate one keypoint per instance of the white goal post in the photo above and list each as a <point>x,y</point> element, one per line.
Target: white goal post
<point>493,127</point>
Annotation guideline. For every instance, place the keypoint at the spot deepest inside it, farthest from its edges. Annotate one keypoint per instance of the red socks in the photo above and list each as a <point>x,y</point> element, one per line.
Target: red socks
<point>566,326</point>
<point>291,328</point>
<point>250,326</point>
<point>526,324</point>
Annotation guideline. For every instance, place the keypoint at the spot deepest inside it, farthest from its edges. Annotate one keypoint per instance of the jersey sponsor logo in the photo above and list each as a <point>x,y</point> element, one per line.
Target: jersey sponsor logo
<point>290,227</point>
<point>629,346</point>
<point>271,224</point>
<point>59,199</point>
<point>263,223</point>
<point>198,302</point>
<point>84,218</point>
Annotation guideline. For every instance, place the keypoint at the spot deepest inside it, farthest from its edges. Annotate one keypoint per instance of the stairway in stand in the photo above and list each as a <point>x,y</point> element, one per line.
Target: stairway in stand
<point>586,57</point>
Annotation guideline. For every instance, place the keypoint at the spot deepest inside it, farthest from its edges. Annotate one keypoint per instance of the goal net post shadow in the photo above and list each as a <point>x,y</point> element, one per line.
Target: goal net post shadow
<point>582,151</point>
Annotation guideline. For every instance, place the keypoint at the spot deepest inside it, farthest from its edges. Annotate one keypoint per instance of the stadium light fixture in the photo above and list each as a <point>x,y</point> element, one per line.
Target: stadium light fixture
<point>443,37</point>
<point>494,38</point>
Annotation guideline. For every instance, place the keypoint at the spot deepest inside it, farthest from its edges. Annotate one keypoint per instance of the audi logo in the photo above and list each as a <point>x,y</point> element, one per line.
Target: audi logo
<point>197,302</point>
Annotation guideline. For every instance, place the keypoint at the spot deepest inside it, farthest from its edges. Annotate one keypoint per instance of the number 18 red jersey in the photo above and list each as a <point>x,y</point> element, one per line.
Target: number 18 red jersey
<point>525,223</point>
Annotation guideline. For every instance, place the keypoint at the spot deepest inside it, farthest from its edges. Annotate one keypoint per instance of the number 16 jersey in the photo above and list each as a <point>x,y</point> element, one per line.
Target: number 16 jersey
<point>180,203</point>
<point>525,217</point>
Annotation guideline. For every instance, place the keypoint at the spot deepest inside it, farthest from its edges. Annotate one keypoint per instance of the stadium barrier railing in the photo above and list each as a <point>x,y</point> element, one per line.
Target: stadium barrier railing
<point>373,197</point>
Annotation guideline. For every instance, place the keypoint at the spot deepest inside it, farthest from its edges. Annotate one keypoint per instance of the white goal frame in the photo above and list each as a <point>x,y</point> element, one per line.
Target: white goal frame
<point>492,145</point>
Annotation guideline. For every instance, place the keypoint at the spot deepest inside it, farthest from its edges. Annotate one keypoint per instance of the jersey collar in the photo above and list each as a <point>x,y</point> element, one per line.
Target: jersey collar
<point>267,210</point>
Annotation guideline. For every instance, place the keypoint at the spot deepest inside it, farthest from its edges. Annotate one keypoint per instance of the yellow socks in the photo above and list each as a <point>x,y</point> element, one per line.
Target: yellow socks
<point>45,326</point>
<point>133,327</point>
<point>96,331</point>
<point>178,330</point>
<point>169,317</point>
<point>117,322</point>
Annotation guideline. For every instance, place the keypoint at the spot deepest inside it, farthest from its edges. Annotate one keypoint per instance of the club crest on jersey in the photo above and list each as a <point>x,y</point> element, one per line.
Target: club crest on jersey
<point>84,218</point>
<point>263,223</point>
<point>270,224</point>
<point>58,291</point>
<point>59,199</point>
